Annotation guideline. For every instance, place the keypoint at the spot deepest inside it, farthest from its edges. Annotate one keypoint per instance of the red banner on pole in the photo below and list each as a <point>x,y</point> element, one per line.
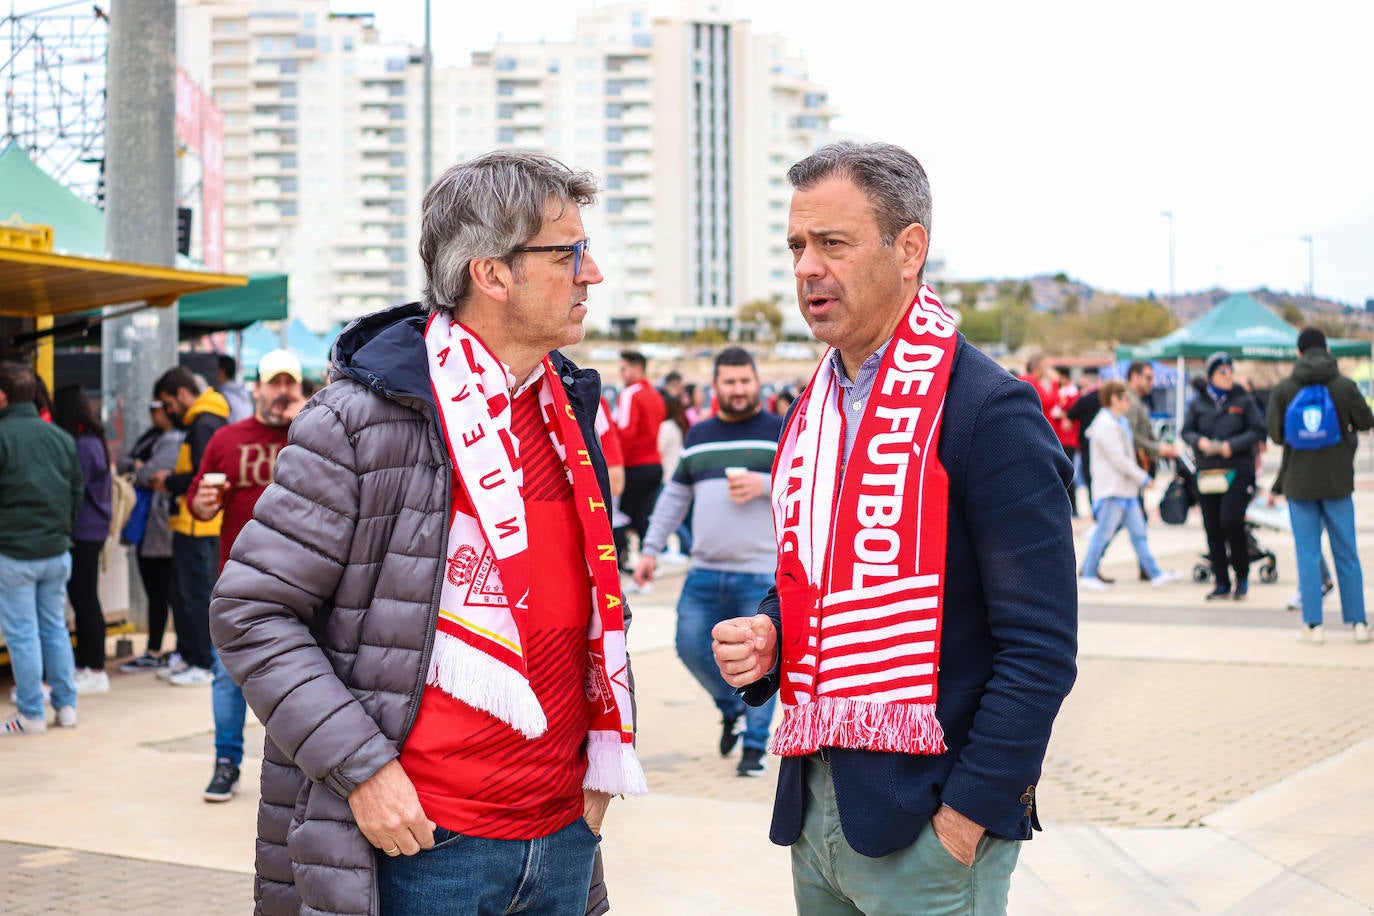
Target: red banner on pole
<point>200,127</point>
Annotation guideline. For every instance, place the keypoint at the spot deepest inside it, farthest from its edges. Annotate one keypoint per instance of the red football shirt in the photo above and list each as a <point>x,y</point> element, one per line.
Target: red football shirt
<point>245,452</point>
<point>474,773</point>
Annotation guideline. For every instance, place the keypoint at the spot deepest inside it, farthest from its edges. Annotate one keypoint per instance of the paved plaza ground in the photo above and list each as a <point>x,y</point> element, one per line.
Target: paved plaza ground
<point>1205,763</point>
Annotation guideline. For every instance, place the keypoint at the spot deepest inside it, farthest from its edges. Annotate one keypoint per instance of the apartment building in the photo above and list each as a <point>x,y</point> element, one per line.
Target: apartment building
<point>690,121</point>
<point>319,177</point>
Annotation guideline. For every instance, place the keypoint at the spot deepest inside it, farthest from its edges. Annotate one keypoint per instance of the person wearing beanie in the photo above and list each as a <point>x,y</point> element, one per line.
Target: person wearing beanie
<point>1223,426</point>
<point>1318,484</point>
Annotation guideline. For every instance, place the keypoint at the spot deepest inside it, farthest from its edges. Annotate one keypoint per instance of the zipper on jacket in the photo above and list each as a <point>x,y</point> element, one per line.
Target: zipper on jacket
<point>414,709</point>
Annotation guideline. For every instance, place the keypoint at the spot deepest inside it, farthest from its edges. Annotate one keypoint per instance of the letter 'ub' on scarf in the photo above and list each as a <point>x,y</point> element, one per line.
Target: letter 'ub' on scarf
<point>479,646</point>
<point>862,613</point>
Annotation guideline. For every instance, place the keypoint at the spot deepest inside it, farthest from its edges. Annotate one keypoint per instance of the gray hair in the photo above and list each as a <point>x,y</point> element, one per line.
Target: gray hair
<point>486,208</point>
<point>894,181</point>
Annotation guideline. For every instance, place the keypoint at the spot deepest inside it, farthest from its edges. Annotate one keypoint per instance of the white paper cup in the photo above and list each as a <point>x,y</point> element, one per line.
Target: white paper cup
<point>214,479</point>
<point>732,473</point>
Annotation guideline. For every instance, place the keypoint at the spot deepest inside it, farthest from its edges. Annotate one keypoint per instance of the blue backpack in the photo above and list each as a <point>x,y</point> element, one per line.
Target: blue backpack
<point>1310,422</point>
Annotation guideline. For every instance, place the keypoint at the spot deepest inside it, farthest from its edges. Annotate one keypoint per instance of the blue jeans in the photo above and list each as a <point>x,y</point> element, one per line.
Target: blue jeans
<point>476,876</point>
<point>33,616</point>
<point>708,597</point>
<point>196,563</point>
<point>1308,516</point>
<point>1112,513</point>
<point>230,711</point>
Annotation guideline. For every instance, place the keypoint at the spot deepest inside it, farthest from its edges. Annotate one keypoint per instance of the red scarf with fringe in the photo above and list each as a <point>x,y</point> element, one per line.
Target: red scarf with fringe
<point>861,551</point>
<point>478,655</point>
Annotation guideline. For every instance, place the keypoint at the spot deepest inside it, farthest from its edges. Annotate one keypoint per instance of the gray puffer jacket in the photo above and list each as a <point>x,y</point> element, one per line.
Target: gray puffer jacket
<point>325,613</point>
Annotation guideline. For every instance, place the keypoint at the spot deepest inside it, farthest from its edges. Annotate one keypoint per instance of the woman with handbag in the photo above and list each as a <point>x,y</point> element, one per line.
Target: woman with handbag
<point>1117,481</point>
<point>1224,425</point>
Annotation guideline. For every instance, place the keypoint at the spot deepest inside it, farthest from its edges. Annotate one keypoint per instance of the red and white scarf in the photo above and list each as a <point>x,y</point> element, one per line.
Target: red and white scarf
<point>478,654</point>
<point>861,551</point>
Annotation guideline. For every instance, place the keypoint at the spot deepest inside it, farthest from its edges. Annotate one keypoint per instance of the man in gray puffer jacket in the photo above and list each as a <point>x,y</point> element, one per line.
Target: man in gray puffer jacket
<point>445,727</point>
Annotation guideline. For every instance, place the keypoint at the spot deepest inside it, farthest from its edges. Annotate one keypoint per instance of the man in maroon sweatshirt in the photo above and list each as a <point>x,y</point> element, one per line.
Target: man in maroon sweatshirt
<point>243,454</point>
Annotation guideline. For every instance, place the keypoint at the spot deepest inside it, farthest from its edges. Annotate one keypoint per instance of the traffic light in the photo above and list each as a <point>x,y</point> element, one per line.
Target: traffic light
<point>183,230</point>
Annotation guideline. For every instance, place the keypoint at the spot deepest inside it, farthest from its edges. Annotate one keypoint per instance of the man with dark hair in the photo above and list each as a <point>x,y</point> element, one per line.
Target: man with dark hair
<point>243,455</point>
<point>227,384</point>
<point>639,413</point>
<point>722,478</point>
<point>195,543</point>
<point>1318,477</point>
<point>425,610</point>
<point>41,489</point>
<point>915,475</point>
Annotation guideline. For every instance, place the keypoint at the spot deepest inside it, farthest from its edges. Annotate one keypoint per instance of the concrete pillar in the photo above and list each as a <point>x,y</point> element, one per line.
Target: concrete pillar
<point>140,213</point>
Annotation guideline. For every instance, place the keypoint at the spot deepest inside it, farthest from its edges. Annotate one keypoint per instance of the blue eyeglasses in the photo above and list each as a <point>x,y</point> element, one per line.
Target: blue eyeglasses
<point>578,250</point>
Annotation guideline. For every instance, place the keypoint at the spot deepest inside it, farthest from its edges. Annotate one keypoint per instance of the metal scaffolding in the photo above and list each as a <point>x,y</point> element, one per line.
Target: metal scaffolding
<point>53,76</point>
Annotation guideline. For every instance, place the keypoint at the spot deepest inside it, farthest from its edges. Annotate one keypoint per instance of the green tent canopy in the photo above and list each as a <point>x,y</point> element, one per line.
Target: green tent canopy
<point>1241,326</point>
<point>263,299</point>
<point>35,197</point>
<point>28,192</point>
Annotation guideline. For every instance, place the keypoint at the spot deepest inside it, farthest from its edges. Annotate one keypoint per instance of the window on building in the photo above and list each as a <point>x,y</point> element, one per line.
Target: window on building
<point>397,160</point>
<point>505,135</point>
<point>396,137</point>
<point>289,90</point>
<point>396,89</point>
<point>505,64</point>
<point>288,208</point>
<point>396,112</point>
<point>305,42</point>
<point>395,65</point>
<point>398,183</point>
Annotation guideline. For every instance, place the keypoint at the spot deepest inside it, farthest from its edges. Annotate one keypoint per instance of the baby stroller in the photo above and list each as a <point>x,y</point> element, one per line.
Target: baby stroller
<point>1257,515</point>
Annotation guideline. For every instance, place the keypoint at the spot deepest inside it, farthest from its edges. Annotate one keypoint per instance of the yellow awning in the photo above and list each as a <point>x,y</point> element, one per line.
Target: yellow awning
<point>35,283</point>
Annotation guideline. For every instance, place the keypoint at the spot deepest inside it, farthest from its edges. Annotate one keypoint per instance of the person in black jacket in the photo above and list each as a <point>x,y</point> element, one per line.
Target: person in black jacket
<point>1224,425</point>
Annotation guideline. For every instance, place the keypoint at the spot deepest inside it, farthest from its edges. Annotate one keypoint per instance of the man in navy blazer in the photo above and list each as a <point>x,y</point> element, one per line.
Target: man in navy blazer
<point>858,233</point>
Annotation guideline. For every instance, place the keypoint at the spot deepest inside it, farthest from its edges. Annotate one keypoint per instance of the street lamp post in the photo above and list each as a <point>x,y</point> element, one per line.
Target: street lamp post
<point>1169,215</point>
<point>1311,271</point>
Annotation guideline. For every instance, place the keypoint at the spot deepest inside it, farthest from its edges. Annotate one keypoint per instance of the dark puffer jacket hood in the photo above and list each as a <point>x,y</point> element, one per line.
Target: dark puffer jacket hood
<point>385,351</point>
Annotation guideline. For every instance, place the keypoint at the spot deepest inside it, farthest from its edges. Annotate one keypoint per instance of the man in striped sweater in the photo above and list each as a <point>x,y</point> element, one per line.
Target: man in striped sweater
<point>723,478</point>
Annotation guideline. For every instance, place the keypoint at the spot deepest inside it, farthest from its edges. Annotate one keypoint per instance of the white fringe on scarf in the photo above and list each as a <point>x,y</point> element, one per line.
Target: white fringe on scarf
<point>612,766</point>
<point>909,728</point>
<point>486,684</point>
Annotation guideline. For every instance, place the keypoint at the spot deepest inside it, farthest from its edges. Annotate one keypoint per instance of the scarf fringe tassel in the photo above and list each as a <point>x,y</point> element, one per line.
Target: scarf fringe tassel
<point>906,728</point>
<point>477,679</point>
<point>612,766</point>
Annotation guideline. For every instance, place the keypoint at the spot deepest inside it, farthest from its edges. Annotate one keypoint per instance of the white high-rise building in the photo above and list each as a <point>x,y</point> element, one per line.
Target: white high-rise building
<point>689,120</point>
<point>317,149</point>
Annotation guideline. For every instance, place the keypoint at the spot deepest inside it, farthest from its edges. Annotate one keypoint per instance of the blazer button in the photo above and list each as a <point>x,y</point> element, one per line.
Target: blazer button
<point>1028,796</point>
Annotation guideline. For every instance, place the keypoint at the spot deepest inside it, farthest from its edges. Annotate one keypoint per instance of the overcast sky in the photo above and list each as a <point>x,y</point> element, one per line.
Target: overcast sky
<point>1056,132</point>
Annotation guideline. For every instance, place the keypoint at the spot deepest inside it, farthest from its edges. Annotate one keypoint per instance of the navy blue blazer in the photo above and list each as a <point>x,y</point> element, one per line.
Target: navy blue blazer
<point>1007,655</point>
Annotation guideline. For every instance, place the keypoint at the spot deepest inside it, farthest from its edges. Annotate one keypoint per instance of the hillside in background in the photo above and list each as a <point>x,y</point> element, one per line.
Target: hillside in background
<point>1061,315</point>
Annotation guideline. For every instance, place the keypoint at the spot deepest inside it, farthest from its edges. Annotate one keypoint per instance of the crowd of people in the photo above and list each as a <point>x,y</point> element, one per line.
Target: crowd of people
<point>417,578</point>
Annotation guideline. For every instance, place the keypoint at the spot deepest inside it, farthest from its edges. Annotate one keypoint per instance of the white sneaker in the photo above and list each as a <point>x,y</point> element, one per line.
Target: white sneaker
<point>1164,578</point>
<point>20,725</point>
<point>14,694</point>
<point>88,681</point>
<point>1295,603</point>
<point>1311,635</point>
<point>66,716</point>
<point>1361,632</point>
<point>1092,583</point>
<point>175,665</point>
<point>192,677</point>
